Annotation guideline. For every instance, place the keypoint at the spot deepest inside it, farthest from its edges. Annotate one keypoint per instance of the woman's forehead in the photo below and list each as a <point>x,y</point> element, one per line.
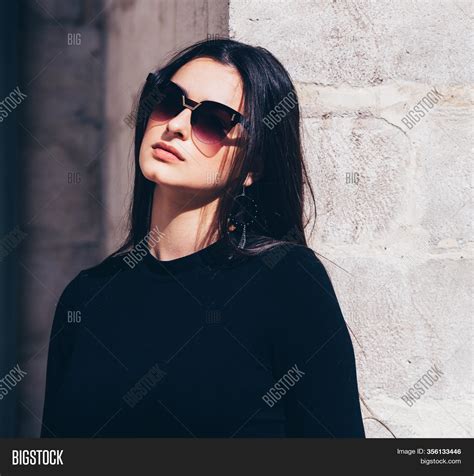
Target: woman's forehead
<point>206,79</point>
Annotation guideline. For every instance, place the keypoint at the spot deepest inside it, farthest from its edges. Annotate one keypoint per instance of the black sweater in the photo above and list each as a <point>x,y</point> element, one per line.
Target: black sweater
<point>204,345</point>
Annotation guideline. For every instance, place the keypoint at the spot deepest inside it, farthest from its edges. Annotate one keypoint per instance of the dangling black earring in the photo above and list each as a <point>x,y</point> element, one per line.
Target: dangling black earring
<point>244,215</point>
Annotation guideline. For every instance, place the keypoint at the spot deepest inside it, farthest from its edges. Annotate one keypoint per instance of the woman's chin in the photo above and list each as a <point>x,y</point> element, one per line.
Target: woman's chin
<point>160,173</point>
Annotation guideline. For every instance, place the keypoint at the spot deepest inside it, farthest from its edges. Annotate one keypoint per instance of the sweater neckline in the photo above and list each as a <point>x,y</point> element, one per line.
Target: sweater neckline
<point>214,254</point>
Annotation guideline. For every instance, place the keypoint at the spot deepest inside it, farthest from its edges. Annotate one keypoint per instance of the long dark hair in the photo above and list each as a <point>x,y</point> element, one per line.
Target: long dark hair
<point>283,186</point>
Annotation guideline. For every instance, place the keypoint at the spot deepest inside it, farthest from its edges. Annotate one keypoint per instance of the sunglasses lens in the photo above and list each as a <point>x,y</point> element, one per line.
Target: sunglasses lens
<point>168,104</point>
<point>211,123</point>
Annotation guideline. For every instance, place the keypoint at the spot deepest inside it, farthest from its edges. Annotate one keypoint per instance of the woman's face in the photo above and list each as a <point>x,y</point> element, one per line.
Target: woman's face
<point>202,79</point>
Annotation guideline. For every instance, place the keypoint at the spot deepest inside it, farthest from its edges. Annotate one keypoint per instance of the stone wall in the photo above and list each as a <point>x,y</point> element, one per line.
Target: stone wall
<point>392,187</point>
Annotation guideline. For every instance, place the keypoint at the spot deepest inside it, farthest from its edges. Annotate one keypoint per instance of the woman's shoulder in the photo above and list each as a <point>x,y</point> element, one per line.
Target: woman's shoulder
<point>87,279</point>
<point>109,266</point>
<point>292,257</point>
<point>298,273</point>
<point>303,293</point>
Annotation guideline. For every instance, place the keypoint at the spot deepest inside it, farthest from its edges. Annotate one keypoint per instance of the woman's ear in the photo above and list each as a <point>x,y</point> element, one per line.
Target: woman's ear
<point>248,180</point>
<point>251,178</point>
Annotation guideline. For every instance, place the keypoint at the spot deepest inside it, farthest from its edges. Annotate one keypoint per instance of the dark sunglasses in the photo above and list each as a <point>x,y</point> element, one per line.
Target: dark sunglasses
<point>211,121</point>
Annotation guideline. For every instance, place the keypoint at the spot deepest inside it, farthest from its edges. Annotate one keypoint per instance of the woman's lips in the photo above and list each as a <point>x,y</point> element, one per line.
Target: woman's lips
<point>166,153</point>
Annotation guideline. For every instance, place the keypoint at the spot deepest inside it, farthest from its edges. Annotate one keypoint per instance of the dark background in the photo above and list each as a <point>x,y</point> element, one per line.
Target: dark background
<point>65,156</point>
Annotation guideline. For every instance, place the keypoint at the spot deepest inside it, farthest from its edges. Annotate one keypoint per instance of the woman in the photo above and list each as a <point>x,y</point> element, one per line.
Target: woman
<point>214,319</point>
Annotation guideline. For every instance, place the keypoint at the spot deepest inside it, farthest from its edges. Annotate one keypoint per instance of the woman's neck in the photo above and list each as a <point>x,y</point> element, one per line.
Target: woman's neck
<point>185,223</point>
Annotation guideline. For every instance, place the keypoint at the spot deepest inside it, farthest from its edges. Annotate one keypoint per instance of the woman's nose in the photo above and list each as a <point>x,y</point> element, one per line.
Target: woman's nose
<point>181,124</point>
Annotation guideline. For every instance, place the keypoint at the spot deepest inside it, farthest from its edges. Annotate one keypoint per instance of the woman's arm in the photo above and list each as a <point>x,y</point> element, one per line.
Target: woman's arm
<point>60,349</point>
<point>313,351</point>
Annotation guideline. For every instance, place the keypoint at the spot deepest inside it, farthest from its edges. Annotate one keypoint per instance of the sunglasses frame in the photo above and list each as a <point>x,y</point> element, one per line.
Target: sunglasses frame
<point>192,105</point>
